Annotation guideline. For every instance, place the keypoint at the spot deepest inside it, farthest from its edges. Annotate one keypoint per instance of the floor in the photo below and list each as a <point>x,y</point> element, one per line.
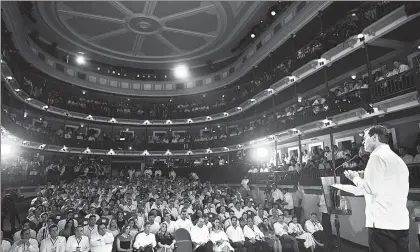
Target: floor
<point>23,207</point>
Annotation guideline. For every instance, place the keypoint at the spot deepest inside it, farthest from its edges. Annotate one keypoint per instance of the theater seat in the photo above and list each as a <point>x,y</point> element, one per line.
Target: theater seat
<point>183,241</point>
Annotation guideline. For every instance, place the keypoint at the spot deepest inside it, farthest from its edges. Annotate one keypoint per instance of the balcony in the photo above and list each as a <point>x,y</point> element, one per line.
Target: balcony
<point>350,45</point>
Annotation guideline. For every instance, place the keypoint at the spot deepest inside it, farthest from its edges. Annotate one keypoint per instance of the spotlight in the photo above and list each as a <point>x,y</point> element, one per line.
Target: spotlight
<point>6,149</point>
<point>353,14</point>
<point>353,77</point>
<point>418,47</point>
<point>80,60</point>
<point>252,35</point>
<point>9,78</point>
<point>83,92</point>
<point>273,13</point>
<point>261,153</point>
<point>129,148</point>
<point>99,68</point>
<point>181,71</point>
<point>299,99</point>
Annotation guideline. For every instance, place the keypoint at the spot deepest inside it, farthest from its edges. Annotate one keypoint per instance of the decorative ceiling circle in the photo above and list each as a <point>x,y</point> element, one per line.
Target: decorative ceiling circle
<point>142,31</point>
<point>143,25</point>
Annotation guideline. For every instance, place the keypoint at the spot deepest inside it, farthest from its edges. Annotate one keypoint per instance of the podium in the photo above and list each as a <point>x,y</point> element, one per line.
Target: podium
<point>335,202</point>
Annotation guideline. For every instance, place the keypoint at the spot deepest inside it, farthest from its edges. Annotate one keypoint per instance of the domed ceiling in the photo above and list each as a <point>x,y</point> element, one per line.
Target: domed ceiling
<point>148,34</point>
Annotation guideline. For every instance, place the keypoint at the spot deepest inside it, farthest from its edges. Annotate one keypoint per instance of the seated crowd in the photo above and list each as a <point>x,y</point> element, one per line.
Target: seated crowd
<point>146,212</point>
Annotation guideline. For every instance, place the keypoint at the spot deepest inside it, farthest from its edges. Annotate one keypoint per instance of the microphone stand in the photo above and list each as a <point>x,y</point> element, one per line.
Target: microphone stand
<point>336,219</point>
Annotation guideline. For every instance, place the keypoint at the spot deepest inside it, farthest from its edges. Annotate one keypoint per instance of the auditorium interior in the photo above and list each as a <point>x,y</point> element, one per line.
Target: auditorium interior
<point>135,120</point>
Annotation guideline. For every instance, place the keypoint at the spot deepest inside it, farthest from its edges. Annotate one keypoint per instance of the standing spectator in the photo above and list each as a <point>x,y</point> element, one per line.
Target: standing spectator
<point>288,201</point>
<point>8,208</point>
<point>297,196</point>
<point>325,218</point>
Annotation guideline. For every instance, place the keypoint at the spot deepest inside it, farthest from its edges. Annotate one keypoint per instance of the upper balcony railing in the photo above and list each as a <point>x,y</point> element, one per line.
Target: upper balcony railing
<point>300,114</point>
<point>170,110</point>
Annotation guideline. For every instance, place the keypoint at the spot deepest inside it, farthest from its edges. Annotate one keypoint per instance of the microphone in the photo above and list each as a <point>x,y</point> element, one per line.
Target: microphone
<point>340,166</point>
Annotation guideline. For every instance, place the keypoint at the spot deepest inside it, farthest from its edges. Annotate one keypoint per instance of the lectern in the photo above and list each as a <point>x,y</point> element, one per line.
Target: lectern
<point>335,202</point>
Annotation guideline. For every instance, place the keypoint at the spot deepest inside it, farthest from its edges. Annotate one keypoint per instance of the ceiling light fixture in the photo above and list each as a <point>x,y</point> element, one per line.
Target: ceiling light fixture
<point>252,35</point>
<point>181,71</point>
<point>273,13</point>
<point>353,77</point>
<point>80,60</point>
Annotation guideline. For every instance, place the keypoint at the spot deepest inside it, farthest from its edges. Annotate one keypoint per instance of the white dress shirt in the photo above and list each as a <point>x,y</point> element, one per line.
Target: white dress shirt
<point>154,228</point>
<point>277,195</point>
<point>101,243</point>
<point>253,233</point>
<point>5,246</point>
<point>50,245</point>
<point>385,187</point>
<point>238,213</point>
<point>416,159</point>
<point>33,246</point>
<point>280,229</point>
<point>143,240</point>
<point>73,244</point>
<point>312,227</point>
<point>89,231</point>
<point>186,224</point>
<point>43,233</point>
<point>288,198</point>
<point>200,235</point>
<point>235,234</point>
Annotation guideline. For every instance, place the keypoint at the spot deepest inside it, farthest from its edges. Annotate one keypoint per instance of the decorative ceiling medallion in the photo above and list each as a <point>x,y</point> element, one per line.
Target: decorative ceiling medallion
<point>144,30</point>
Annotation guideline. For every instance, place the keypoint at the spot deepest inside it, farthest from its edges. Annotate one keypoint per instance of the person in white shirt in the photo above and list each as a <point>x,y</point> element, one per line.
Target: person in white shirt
<point>296,229</point>
<point>236,235</point>
<point>297,196</point>
<point>184,222</point>
<point>25,225</point>
<point>219,238</point>
<point>288,201</point>
<point>170,225</point>
<point>407,158</point>
<point>91,228</point>
<point>314,227</point>
<point>416,219</point>
<point>238,210</point>
<point>325,218</point>
<point>78,242</point>
<point>281,229</point>
<point>158,172</point>
<point>5,245</point>
<point>54,242</point>
<point>200,237</point>
<point>148,173</point>
<point>172,174</point>
<point>254,238</point>
<point>385,187</point>
<point>145,241</point>
<point>277,194</point>
<point>101,241</point>
<point>399,67</point>
<point>26,243</point>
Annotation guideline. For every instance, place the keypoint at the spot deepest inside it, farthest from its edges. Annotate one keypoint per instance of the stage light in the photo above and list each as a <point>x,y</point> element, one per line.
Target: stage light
<point>252,35</point>
<point>25,114</point>
<point>299,99</point>
<point>6,150</point>
<point>418,47</point>
<point>129,148</point>
<point>273,13</point>
<point>83,92</point>
<point>262,153</point>
<point>9,78</point>
<point>80,60</point>
<point>99,68</point>
<point>353,77</point>
<point>181,71</point>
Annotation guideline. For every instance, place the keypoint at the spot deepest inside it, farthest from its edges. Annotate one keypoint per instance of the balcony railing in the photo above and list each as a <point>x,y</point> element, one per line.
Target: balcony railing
<point>393,86</point>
